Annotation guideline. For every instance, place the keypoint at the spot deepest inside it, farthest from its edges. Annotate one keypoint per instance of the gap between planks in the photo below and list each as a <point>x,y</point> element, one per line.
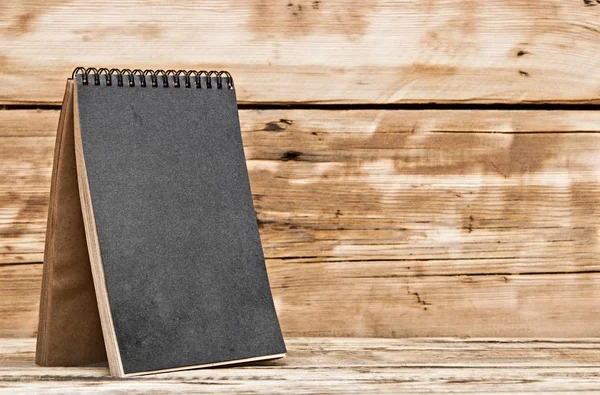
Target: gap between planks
<point>542,106</point>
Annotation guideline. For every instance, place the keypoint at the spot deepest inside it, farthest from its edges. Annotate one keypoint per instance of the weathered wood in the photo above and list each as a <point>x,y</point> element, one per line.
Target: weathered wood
<point>26,149</point>
<point>322,352</point>
<point>387,223</point>
<point>322,299</point>
<point>344,365</point>
<point>327,51</point>
<point>394,176</point>
<point>20,295</point>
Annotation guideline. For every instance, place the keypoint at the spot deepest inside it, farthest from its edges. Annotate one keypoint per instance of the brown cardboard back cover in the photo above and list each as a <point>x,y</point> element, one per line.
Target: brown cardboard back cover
<point>69,331</point>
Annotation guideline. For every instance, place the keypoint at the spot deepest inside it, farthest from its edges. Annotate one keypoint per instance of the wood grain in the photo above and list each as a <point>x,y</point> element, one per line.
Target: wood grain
<point>326,51</point>
<point>20,296</point>
<point>26,152</point>
<point>346,365</point>
<point>383,223</point>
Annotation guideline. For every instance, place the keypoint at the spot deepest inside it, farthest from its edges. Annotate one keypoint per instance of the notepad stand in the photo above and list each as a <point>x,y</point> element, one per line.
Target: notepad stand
<point>153,258</point>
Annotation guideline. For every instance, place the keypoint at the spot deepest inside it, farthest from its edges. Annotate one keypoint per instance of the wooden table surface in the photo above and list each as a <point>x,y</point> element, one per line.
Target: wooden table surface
<point>343,365</point>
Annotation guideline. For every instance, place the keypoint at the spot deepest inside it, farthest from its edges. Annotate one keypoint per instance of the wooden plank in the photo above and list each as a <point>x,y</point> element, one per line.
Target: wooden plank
<point>389,173</point>
<point>311,352</point>
<point>392,223</point>
<point>329,51</point>
<point>20,295</point>
<point>321,299</point>
<point>345,365</point>
<point>26,152</point>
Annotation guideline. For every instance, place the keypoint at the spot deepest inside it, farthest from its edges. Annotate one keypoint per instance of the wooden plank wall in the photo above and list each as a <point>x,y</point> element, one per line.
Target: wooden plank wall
<point>387,216</point>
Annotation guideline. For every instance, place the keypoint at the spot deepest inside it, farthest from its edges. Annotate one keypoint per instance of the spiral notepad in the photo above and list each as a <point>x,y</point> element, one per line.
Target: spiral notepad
<point>153,258</point>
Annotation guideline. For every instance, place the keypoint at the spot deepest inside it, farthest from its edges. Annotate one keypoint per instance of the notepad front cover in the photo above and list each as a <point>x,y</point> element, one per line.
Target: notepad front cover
<point>181,253</point>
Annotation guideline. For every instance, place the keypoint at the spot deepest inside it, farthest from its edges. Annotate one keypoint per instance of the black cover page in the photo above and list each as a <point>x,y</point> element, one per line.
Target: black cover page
<point>182,257</point>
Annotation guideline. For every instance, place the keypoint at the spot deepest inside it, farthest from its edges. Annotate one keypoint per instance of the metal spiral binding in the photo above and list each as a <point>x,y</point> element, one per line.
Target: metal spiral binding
<point>93,75</point>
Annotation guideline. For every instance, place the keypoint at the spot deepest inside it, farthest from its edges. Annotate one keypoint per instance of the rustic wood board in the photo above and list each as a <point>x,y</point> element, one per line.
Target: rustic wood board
<point>26,154</point>
<point>347,365</point>
<point>333,300</point>
<point>382,223</point>
<point>20,295</point>
<point>325,51</point>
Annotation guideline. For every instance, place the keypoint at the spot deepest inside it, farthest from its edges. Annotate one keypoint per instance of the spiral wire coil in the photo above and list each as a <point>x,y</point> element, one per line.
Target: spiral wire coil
<point>93,75</point>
